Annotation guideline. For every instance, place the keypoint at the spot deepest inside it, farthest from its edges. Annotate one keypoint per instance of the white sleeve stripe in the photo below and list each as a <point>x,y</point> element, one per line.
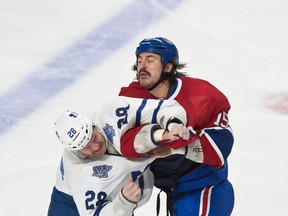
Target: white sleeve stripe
<point>218,128</point>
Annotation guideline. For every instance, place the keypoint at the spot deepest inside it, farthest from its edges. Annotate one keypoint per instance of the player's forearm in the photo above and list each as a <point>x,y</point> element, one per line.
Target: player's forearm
<point>138,141</point>
<point>212,147</point>
<point>148,138</point>
<point>120,206</point>
<point>127,143</point>
<point>172,112</point>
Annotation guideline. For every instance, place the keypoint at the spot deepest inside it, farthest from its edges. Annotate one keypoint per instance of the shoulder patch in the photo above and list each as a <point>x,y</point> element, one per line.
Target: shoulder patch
<point>110,132</point>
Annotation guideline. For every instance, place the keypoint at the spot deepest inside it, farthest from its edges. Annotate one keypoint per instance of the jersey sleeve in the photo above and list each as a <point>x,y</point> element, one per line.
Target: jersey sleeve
<point>127,143</point>
<point>207,113</point>
<point>213,140</point>
<point>147,116</point>
<point>119,206</point>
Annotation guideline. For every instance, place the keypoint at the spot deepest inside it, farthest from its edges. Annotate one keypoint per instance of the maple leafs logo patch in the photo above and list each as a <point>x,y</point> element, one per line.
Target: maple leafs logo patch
<point>101,171</point>
<point>109,131</point>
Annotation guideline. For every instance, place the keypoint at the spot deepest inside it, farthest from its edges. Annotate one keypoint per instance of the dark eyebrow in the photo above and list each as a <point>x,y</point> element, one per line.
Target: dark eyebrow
<point>149,56</point>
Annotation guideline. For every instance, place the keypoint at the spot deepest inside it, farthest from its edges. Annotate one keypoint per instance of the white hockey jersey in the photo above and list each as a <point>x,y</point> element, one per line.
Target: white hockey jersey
<point>95,183</point>
<point>123,113</point>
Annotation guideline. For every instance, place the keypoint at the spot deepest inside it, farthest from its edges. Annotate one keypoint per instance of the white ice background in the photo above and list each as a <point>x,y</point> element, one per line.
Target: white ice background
<point>240,46</point>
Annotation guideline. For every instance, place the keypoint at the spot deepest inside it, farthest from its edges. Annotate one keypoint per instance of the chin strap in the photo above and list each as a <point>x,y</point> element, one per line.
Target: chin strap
<point>164,76</point>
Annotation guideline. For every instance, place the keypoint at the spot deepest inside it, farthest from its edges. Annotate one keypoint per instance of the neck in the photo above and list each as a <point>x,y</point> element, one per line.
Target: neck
<point>161,90</point>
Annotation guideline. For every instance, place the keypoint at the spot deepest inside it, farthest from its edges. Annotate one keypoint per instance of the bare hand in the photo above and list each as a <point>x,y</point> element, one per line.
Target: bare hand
<point>179,130</point>
<point>131,191</point>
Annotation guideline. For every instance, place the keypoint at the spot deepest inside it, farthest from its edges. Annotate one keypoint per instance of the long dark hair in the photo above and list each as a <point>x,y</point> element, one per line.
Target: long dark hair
<point>172,75</point>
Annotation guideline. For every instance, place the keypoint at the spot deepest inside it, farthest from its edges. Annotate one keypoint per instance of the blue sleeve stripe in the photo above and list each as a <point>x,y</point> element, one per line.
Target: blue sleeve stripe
<point>100,207</point>
<point>139,110</point>
<point>223,139</point>
<point>154,117</point>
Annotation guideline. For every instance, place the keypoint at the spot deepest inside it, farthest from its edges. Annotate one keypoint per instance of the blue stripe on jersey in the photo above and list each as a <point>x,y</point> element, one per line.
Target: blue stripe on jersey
<point>62,204</point>
<point>201,177</point>
<point>78,59</point>
<point>154,117</point>
<point>224,140</point>
<point>100,207</point>
<point>139,110</point>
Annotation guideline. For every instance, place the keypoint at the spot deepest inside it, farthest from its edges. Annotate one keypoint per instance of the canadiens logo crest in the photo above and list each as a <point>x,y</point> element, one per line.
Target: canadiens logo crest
<point>110,132</point>
<point>101,171</point>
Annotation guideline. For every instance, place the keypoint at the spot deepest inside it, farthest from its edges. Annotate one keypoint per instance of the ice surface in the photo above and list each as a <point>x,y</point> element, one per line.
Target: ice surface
<point>64,54</point>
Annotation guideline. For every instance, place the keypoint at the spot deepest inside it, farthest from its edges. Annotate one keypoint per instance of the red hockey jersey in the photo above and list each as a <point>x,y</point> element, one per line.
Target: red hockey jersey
<point>207,112</point>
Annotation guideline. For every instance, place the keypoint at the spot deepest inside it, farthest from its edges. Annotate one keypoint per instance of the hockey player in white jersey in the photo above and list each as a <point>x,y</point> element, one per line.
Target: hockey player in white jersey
<point>92,177</point>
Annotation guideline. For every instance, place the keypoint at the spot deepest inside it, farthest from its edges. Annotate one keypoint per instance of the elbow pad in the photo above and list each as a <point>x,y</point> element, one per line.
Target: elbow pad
<point>173,114</point>
<point>148,138</point>
<point>192,152</point>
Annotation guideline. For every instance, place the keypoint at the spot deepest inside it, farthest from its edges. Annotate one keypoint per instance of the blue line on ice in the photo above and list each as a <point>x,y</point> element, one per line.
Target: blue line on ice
<point>77,59</point>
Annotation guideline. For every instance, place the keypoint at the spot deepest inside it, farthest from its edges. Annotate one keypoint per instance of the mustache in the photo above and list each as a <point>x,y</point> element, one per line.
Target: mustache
<point>143,71</point>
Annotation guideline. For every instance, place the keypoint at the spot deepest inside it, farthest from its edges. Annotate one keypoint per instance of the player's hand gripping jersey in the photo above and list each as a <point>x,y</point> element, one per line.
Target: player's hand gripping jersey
<point>207,113</point>
<point>95,183</point>
<point>124,113</point>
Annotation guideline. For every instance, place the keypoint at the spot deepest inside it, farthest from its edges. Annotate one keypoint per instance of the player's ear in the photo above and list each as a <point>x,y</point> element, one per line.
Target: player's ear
<point>168,67</point>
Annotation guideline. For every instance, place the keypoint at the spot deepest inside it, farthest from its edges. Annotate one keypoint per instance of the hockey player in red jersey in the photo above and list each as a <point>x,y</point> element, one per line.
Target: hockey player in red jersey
<point>200,186</point>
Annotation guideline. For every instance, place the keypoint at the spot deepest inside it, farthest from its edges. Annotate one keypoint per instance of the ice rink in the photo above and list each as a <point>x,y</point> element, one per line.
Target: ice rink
<point>57,55</point>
